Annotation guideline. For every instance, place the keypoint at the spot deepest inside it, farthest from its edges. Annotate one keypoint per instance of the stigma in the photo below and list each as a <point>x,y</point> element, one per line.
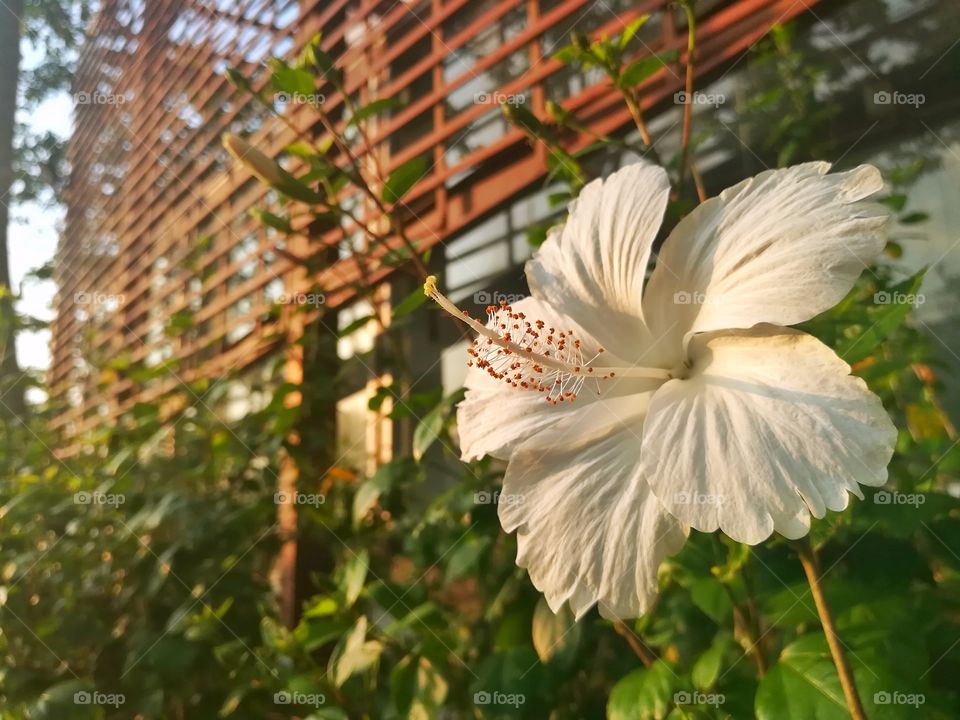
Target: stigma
<point>528,354</point>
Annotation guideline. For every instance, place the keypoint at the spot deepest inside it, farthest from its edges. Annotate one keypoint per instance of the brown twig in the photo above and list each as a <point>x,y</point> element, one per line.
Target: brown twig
<point>641,650</point>
<point>633,104</point>
<point>743,621</point>
<point>811,566</point>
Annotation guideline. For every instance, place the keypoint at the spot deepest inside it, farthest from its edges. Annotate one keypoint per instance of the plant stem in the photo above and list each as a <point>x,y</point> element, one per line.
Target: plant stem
<point>747,628</point>
<point>633,104</point>
<point>641,650</point>
<point>688,105</point>
<point>756,628</point>
<point>811,566</point>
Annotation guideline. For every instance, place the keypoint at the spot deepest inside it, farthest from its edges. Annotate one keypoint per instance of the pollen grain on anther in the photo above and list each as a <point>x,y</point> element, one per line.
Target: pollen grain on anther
<point>559,383</point>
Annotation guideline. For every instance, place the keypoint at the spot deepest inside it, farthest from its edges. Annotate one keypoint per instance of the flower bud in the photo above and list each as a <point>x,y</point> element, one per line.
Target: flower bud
<point>258,163</point>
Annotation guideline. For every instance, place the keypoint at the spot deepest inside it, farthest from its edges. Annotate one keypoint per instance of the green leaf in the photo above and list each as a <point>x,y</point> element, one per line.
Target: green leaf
<point>568,54</point>
<point>889,311</point>
<point>356,325</point>
<point>354,576</point>
<point>802,685</point>
<point>432,424</point>
<point>404,178</point>
<point>328,713</point>
<point>632,29</point>
<point>709,595</point>
<point>291,81</point>
<point>465,558</point>
<point>233,701</point>
<point>644,694</point>
<point>355,654</point>
<point>431,691</point>
<point>913,218</point>
<point>706,669</point>
<point>895,202</point>
<point>564,167</point>
<point>525,120</point>
<point>403,683</point>
<point>373,108</point>
<point>370,491</point>
<point>553,633</point>
<point>410,303</point>
<point>537,234</point>
<point>640,70</point>
<point>277,222</point>
<point>314,55</point>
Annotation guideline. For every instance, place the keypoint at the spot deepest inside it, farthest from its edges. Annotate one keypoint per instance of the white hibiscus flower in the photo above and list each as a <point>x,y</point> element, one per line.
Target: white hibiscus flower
<point>701,409</point>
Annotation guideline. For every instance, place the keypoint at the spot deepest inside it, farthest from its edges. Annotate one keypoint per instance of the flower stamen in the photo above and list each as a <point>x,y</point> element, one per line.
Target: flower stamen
<point>529,355</point>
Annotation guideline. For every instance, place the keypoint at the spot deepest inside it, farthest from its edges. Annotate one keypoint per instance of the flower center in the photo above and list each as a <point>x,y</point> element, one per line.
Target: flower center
<point>529,355</point>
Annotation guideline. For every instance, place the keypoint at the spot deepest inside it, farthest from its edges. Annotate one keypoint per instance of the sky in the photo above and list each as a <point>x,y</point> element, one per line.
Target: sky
<point>34,232</point>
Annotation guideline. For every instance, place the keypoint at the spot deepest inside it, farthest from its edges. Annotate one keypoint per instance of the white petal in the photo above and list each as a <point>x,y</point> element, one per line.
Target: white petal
<point>494,419</point>
<point>589,530</point>
<point>769,429</point>
<point>780,248</point>
<point>594,266</point>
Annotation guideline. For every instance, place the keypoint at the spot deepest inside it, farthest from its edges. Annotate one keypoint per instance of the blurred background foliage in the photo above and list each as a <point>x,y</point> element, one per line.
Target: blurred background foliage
<point>142,566</point>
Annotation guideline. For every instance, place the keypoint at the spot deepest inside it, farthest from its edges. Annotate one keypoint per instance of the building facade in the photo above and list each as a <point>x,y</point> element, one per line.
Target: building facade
<point>162,267</point>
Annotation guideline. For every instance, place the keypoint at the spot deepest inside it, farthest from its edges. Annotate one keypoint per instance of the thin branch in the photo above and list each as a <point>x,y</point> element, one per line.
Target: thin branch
<point>811,566</point>
<point>641,650</point>
<point>688,97</point>
<point>633,104</point>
